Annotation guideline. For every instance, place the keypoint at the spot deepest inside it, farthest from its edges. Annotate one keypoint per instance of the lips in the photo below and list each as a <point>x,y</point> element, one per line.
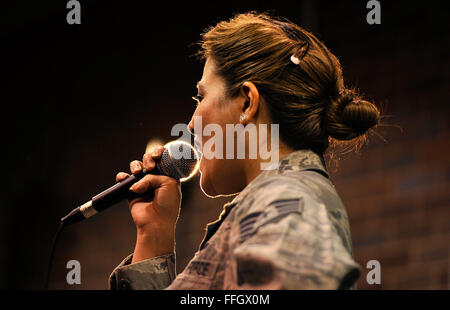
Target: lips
<point>198,146</point>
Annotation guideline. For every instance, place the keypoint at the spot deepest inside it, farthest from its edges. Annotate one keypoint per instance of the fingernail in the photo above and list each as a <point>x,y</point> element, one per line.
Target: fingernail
<point>133,187</point>
<point>160,150</point>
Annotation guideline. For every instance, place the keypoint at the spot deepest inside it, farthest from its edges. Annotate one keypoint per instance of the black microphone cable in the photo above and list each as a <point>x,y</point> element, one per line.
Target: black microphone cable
<point>52,252</point>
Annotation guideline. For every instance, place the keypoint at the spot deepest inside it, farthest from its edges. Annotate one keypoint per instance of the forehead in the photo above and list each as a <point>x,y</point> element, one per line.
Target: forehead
<point>210,78</point>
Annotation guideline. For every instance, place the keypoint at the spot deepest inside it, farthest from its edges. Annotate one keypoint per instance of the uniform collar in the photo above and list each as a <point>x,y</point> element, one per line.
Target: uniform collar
<point>293,162</point>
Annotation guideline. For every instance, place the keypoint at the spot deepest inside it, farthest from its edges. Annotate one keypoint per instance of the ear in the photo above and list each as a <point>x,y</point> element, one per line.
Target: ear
<point>251,105</point>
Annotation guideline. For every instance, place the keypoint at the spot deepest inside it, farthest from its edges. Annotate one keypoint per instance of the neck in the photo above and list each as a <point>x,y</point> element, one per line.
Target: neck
<point>253,166</point>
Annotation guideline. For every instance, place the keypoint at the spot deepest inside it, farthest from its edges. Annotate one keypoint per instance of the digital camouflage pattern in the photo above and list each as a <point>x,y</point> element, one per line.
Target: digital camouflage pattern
<point>288,229</point>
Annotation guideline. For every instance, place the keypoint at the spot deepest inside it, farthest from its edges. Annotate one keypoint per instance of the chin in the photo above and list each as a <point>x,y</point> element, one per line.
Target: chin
<point>214,181</point>
<point>209,190</point>
<point>206,183</point>
<point>206,188</point>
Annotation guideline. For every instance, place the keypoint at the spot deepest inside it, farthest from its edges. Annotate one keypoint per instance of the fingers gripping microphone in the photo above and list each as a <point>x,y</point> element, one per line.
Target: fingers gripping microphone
<point>178,161</point>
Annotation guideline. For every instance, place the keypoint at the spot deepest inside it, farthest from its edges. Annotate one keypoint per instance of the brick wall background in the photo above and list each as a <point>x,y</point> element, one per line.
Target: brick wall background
<point>396,191</point>
<point>76,96</point>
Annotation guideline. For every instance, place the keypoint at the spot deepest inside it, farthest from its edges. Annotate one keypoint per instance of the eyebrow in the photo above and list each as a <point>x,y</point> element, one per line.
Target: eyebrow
<point>200,86</point>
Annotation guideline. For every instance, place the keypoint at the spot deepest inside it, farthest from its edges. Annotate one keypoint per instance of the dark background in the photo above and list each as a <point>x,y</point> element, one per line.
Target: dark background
<point>81,101</point>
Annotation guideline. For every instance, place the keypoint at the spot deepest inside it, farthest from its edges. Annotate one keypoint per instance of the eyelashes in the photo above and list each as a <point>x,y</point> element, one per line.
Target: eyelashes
<point>198,99</point>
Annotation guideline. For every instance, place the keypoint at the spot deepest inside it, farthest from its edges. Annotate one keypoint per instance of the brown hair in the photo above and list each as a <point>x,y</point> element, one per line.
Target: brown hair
<point>308,100</point>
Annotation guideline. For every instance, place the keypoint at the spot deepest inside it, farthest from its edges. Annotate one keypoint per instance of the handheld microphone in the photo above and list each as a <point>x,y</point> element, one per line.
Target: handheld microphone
<point>179,161</point>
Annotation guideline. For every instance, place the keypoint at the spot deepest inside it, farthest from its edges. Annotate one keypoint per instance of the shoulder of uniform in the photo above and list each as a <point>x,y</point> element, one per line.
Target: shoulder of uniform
<point>273,191</point>
<point>270,200</point>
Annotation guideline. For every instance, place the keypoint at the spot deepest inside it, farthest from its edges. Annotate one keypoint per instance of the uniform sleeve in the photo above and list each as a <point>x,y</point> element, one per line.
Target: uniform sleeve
<point>151,274</point>
<point>290,245</point>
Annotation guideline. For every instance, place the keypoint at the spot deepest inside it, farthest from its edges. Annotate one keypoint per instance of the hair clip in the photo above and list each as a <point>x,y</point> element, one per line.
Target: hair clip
<point>300,53</point>
<point>295,60</point>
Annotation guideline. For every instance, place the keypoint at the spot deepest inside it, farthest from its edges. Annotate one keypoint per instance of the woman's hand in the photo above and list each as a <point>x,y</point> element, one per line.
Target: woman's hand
<point>156,213</point>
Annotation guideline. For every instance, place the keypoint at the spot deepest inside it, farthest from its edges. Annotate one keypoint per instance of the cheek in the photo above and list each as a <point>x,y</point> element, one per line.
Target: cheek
<point>210,113</point>
<point>208,166</point>
<point>213,111</point>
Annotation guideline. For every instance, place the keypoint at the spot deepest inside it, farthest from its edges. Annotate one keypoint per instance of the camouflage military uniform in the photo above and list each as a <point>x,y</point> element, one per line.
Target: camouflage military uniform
<point>288,229</point>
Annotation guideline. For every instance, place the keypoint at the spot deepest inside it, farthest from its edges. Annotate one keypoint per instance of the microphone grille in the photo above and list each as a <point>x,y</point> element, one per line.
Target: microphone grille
<point>179,160</point>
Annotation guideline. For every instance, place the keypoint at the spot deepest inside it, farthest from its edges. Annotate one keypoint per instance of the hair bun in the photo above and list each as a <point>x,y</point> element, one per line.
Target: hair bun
<point>349,116</point>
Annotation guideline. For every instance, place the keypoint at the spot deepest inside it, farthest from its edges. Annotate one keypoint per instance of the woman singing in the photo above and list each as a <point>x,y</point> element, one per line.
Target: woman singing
<point>287,228</point>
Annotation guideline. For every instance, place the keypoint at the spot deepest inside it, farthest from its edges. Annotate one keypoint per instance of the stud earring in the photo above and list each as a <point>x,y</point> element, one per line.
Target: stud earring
<point>242,117</point>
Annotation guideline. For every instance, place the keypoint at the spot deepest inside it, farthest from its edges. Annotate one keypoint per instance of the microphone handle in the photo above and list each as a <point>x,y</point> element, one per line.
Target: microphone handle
<point>109,197</point>
<point>117,192</point>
